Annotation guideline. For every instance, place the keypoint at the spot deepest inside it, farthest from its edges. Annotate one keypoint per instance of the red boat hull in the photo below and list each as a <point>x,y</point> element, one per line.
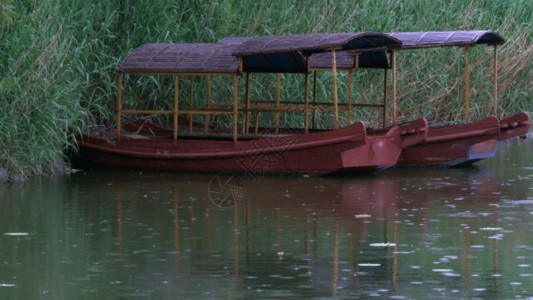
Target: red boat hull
<point>463,144</point>
<point>455,145</point>
<point>343,150</point>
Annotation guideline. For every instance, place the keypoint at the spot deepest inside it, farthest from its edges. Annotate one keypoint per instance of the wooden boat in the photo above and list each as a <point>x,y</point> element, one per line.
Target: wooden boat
<point>466,143</point>
<point>455,144</point>
<point>245,147</point>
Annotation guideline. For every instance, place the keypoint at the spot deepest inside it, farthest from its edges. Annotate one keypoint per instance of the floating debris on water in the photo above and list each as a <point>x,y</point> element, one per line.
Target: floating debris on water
<point>362,216</point>
<point>387,244</point>
<point>16,233</point>
<point>442,270</point>
<point>491,228</point>
<point>369,265</point>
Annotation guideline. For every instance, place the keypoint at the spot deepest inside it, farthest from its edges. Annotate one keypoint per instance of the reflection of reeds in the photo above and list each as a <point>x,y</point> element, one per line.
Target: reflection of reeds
<point>59,60</point>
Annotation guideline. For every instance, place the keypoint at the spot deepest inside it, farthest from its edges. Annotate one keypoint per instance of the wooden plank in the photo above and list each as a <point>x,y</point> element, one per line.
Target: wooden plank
<point>152,111</point>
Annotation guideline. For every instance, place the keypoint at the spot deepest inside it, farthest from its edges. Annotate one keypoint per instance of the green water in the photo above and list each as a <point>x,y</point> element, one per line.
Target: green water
<point>402,233</point>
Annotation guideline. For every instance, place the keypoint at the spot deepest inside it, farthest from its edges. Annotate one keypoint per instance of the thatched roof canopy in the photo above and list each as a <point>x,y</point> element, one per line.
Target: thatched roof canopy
<point>426,39</point>
<point>181,58</point>
<point>288,53</point>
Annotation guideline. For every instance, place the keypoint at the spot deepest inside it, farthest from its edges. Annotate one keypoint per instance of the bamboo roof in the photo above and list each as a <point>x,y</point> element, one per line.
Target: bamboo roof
<point>425,39</point>
<point>181,58</point>
<point>410,40</point>
<point>288,53</point>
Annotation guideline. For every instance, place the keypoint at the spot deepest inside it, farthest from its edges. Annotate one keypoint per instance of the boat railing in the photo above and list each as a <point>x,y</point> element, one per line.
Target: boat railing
<point>191,111</point>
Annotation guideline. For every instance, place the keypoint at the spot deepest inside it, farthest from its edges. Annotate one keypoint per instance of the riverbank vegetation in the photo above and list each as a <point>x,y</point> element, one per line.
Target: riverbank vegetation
<point>59,59</point>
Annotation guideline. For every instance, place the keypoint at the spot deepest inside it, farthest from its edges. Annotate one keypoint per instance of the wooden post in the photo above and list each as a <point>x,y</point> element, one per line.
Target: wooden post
<point>385,89</point>
<point>208,104</point>
<point>119,105</point>
<point>495,80</point>
<point>278,96</point>
<point>350,80</point>
<point>191,102</point>
<point>176,95</point>
<point>467,84</point>
<point>246,122</point>
<point>257,122</point>
<point>235,105</point>
<point>335,97</point>
<point>306,118</point>
<point>394,113</point>
<point>314,98</point>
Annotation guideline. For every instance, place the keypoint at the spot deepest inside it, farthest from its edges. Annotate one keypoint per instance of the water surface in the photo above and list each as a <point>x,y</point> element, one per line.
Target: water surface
<point>402,233</point>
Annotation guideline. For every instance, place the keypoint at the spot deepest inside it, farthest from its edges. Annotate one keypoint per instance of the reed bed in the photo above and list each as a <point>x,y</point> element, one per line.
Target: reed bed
<point>58,62</point>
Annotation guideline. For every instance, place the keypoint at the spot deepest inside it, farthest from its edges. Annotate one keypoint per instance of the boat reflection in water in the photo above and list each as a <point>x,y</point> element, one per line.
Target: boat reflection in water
<point>316,236</point>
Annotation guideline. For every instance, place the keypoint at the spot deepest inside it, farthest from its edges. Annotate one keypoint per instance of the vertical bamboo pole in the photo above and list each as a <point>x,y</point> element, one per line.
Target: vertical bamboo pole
<point>495,80</point>
<point>467,84</point>
<point>278,101</point>
<point>119,105</point>
<point>235,105</point>
<point>385,90</point>
<point>257,122</point>
<point>335,96</point>
<point>314,98</point>
<point>246,122</point>
<point>306,119</point>
<point>208,101</point>
<point>191,102</point>
<point>350,80</point>
<point>176,93</point>
<point>394,112</point>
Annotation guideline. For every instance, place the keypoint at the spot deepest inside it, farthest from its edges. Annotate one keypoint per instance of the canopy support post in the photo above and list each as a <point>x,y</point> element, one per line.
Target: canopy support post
<point>235,106</point>
<point>208,101</point>
<point>495,80</point>
<point>191,101</point>
<point>314,98</point>
<point>385,90</point>
<point>246,122</point>
<point>467,84</point>
<point>350,87</point>
<point>176,93</point>
<point>306,125</point>
<point>119,105</point>
<point>394,100</point>
<point>349,115</point>
<point>278,96</point>
<point>335,96</point>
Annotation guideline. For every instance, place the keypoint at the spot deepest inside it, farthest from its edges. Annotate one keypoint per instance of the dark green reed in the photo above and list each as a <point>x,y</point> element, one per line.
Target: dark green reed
<point>59,59</point>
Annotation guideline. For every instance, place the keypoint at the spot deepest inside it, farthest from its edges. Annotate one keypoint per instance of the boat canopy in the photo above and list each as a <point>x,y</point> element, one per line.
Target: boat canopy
<point>426,39</point>
<point>182,58</point>
<point>346,60</point>
<point>288,54</point>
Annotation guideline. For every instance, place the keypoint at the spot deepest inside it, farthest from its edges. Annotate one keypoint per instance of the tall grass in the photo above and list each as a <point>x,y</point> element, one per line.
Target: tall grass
<point>59,59</point>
